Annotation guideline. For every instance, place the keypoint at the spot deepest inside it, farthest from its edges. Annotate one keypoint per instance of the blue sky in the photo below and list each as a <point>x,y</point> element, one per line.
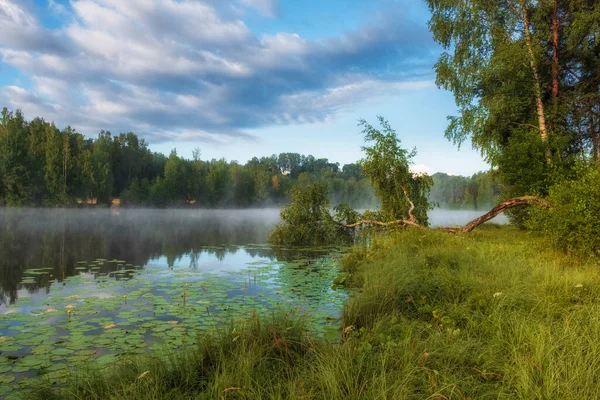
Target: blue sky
<point>236,78</point>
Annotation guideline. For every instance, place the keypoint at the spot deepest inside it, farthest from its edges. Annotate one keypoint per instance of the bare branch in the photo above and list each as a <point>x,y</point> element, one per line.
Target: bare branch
<point>386,224</point>
<point>500,208</point>
<point>529,125</point>
<point>412,206</point>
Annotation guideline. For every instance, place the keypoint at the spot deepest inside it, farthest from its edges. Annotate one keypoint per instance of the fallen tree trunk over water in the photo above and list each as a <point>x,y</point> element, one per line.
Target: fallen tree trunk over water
<point>500,208</point>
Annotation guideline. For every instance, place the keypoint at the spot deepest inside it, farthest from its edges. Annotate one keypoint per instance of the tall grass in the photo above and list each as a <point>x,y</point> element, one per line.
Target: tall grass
<point>491,314</point>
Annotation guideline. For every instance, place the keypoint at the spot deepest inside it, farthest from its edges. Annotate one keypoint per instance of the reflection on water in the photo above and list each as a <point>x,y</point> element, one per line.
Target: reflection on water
<point>86,287</point>
<point>203,240</point>
<point>59,239</point>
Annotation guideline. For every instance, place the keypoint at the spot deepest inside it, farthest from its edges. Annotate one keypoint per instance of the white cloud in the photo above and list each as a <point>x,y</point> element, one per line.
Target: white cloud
<point>187,69</point>
<point>56,8</point>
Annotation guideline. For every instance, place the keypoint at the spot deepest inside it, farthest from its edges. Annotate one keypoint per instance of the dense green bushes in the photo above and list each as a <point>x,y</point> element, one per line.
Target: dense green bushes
<point>573,222</point>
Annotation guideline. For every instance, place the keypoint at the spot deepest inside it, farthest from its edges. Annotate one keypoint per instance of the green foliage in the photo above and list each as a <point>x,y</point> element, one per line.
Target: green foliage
<point>15,168</point>
<point>307,221</point>
<point>497,83</point>
<point>494,314</point>
<point>138,193</point>
<point>388,166</point>
<point>42,165</point>
<point>573,222</point>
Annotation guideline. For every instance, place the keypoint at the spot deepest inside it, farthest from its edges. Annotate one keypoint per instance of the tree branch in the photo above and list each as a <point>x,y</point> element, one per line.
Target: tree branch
<point>411,218</point>
<point>385,224</point>
<point>500,208</point>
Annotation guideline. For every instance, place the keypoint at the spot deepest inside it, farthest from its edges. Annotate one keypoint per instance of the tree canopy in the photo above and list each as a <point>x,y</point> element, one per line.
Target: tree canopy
<point>42,165</point>
<point>403,195</point>
<point>525,76</point>
<point>387,164</point>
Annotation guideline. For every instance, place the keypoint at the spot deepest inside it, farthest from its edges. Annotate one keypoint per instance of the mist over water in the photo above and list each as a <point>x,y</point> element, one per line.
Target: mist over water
<point>134,280</point>
<point>203,240</point>
<point>441,217</point>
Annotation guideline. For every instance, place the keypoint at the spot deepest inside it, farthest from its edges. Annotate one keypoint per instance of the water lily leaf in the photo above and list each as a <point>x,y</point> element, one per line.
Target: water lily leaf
<point>42,349</point>
<point>21,368</point>
<point>87,352</point>
<point>61,351</point>
<point>10,347</point>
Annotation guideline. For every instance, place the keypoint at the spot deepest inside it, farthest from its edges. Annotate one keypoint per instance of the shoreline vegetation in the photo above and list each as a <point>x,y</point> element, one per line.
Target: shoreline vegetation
<point>500,312</point>
<point>493,313</point>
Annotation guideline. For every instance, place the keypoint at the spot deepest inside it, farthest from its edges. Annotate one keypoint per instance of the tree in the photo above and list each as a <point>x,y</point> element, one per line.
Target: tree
<point>307,221</point>
<point>521,72</point>
<point>99,168</point>
<point>403,194</point>
<point>53,170</point>
<point>14,158</point>
<point>177,178</point>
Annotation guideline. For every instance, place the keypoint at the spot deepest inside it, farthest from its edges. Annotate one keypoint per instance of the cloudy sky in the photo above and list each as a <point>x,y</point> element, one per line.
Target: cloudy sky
<point>236,78</point>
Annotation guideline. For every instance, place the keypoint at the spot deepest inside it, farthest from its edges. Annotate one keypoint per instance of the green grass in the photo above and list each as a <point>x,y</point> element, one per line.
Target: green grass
<point>490,314</point>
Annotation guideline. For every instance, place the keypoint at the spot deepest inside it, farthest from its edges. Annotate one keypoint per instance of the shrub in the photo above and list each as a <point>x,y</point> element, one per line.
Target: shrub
<point>307,221</point>
<point>573,222</point>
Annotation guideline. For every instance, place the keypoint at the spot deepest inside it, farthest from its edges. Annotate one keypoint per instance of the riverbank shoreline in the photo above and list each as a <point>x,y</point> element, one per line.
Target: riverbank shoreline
<point>493,313</point>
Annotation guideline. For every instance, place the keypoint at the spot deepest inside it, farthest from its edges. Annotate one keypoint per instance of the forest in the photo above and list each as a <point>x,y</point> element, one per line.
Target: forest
<point>41,165</point>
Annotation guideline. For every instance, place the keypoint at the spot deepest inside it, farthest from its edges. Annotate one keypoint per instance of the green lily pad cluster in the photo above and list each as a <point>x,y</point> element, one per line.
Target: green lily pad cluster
<point>95,319</point>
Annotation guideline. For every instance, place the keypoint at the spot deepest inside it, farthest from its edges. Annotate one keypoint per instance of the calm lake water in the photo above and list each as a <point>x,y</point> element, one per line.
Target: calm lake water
<point>83,285</point>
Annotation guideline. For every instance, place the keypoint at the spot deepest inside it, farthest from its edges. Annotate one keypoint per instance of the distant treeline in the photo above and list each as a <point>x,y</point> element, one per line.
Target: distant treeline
<point>477,192</point>
<point>41,165</point>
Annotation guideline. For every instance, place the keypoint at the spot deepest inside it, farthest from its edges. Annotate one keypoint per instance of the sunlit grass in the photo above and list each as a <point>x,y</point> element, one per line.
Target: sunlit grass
<point>492,314</point>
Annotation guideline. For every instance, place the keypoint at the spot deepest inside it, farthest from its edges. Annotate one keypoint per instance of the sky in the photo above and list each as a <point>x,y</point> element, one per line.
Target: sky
<point>235,78</point>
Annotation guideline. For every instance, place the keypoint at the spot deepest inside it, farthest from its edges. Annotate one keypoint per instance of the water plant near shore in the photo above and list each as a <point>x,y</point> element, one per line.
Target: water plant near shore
<point>492,314</point>
<point>96,319</point>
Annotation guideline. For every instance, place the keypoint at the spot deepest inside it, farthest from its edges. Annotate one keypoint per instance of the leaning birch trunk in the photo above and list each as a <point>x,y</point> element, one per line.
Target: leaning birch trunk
<point>500,208</point>
<point>537,85</point>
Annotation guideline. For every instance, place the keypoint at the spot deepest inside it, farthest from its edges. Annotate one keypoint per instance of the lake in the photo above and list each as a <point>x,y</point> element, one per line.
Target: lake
<point>81,285</point>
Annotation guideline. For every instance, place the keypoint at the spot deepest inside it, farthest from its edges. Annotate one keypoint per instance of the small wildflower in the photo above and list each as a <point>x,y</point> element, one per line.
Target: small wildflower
<point>143,374</point>
<point>425,354</point>
<point>497,294</point>
<point>124,296</point>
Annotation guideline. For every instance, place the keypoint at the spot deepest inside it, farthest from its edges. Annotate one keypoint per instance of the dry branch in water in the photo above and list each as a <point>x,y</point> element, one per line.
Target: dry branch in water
<point>500,208</point>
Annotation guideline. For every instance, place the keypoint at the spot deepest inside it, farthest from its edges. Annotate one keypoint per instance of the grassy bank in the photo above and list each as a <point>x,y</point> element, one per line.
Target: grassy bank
<point>491,314</point>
